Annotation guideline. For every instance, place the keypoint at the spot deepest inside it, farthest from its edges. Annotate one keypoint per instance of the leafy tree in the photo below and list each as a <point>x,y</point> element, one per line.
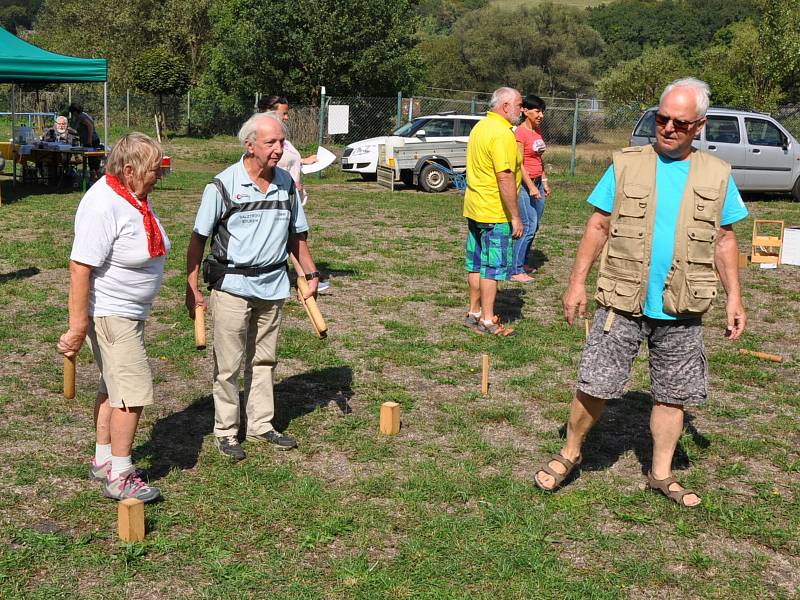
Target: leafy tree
<point>630,26</point>
<point>641,80</point>
<point>779,37</point>
<point>159,72</point>
<point>547,48</point>
<point>736,69</point>
<point>18,14</point>
<point>358,47</point>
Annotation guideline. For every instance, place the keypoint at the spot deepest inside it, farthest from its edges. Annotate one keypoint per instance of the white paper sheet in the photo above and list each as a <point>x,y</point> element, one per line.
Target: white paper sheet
<point>325,158</point>
<point>791,246</point>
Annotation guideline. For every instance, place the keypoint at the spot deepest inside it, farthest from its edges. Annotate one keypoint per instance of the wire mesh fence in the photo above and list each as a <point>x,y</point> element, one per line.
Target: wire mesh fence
<point>568,121</point>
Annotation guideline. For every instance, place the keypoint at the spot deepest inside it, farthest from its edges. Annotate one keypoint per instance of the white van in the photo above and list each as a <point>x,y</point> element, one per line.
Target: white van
<point>764,157</point>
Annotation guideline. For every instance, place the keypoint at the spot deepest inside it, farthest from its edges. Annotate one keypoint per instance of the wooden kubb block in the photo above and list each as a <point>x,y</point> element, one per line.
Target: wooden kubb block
<point>390,418</point>
<point>130,520</point>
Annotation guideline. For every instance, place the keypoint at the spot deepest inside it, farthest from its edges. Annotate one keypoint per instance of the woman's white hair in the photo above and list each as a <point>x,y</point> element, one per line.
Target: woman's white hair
<point>247,133</point>
<point>700,89</point>
<point>501,95</point>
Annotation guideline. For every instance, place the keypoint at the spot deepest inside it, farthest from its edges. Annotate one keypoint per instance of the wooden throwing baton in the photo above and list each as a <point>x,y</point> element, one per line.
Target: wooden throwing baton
<point>312,310</point>
<point>773,357</point>
<point>69,377</point>
<point>200,327</point>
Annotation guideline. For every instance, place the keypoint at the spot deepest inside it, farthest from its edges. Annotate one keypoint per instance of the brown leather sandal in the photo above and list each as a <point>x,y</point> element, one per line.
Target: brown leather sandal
<point>558,477</point>
<point>495,328</point>
<point>677,496</point>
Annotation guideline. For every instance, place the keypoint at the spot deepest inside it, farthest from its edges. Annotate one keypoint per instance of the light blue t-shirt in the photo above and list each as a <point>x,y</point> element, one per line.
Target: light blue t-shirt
<point>258,236</point>
<point>671,176</point>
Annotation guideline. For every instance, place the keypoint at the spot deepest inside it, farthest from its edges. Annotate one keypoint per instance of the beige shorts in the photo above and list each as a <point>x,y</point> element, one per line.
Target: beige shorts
<point>118,347</point>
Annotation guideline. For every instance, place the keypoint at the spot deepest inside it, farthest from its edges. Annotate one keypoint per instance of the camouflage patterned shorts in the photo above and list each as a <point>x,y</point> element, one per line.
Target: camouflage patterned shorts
<point>678,366</point>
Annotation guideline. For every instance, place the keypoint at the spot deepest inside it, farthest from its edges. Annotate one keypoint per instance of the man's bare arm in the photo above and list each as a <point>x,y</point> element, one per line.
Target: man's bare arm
<point>194,256</point>
<point>726,257</point>
<point>592,242</point>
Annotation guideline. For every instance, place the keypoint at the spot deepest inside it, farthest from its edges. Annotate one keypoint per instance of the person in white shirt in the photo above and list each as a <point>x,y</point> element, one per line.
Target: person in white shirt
<point>116,267</point>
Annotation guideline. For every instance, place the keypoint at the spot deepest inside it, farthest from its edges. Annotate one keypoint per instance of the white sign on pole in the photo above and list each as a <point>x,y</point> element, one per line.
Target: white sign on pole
<point>338,118</point>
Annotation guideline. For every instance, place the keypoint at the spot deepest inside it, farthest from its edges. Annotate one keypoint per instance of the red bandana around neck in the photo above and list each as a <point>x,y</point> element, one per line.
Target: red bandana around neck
<point>155,243</point>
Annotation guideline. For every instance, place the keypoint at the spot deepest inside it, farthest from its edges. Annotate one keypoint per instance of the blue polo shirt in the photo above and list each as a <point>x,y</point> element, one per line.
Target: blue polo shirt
<point>671,176</point>
<point>259,234</point>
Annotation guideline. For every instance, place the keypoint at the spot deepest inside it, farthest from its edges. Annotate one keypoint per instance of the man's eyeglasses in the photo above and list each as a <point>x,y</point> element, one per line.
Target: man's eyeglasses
<point>662,120</point>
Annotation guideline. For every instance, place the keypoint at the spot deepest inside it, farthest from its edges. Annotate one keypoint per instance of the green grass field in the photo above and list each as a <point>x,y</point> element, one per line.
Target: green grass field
<point>445,509</point>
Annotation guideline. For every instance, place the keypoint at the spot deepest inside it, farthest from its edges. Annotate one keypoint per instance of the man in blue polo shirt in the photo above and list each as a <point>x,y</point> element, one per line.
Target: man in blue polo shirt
<point>253,214</point>
<point>662,225</point>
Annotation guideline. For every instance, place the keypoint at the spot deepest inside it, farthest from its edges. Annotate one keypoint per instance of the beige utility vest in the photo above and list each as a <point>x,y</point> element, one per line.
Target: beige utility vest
<point>691,283</point>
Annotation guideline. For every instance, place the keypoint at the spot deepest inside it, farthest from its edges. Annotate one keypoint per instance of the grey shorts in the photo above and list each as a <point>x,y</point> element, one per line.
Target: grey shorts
<point>678,366</point>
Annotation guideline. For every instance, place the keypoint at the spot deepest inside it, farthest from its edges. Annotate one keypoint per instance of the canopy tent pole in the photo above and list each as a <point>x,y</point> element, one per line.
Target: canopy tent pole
<point>13,125</point>
<point>105,115</point>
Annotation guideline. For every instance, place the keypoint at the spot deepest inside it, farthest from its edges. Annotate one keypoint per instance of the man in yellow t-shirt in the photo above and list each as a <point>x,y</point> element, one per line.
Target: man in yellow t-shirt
<point>490,206</point>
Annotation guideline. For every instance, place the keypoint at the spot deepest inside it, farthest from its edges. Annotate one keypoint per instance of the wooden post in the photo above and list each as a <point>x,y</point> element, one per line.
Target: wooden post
<point>130,520</point>
<point>390,418</point>
<point>485,375</point>
<point>586,328</point>
<point>742,261</point>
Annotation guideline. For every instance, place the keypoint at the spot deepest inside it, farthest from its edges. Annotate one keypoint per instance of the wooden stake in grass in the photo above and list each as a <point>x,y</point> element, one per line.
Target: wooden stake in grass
<point>130,520</point>
<point>485,375</point>
<point>390,418</point>
<point>586,328</point>
<point>200,327</point>
<point>69,377</point>
<point>773,357</point>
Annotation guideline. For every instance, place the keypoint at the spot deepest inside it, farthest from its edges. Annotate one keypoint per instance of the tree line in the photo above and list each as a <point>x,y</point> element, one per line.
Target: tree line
<point>623,51</point>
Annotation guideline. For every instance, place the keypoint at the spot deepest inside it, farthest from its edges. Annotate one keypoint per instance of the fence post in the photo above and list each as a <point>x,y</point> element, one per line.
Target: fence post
<point>399,109</point>
<point>411,109</point>
<point>188,111</point>
<point>69,94</point>
<point>128,108</point>
<point>574,139</point>
<point>472,106</point>
<point>321,121</point>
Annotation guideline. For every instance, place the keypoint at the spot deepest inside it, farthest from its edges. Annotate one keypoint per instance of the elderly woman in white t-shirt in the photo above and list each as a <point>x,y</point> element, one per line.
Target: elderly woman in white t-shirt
<point>116,266</point>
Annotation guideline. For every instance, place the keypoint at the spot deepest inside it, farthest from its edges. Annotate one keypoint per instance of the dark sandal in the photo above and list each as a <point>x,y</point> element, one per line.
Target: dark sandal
<point>495,328</point>
<point>662,485</point>
<point>558,477</point>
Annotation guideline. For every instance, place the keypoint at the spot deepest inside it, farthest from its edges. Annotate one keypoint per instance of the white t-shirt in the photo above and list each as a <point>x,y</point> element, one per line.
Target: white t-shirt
<point>110,236</point>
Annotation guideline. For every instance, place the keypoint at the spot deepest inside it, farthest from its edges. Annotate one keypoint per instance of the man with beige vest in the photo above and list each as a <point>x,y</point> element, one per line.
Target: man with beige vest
<point>662,226</point>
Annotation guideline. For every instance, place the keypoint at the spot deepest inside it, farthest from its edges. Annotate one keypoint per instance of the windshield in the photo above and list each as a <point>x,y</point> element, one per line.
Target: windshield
<point>409,128</point>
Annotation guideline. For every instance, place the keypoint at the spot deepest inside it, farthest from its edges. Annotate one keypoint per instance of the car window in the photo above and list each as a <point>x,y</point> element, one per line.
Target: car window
<point>466,126</point>
<point>409,128</point>
<point>723,130</point>
<point>647,125</point>
<point>761,132</point>
<point>439,127</point>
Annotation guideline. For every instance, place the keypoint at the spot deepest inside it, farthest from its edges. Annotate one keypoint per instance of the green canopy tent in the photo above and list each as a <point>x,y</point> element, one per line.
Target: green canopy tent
<point>21,62</point>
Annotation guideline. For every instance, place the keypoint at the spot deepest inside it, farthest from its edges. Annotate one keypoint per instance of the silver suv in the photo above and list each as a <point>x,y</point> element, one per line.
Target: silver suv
<point>764,156</point>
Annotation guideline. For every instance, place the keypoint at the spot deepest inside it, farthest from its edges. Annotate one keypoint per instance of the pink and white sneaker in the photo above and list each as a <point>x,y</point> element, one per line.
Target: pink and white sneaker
<point>99,472</point>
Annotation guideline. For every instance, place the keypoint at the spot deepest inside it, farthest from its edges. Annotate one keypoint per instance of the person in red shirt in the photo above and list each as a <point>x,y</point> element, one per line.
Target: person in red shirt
<point>534,187</point>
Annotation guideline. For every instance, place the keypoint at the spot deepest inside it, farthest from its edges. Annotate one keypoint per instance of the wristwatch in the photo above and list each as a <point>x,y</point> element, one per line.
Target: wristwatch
<point>310,276</point>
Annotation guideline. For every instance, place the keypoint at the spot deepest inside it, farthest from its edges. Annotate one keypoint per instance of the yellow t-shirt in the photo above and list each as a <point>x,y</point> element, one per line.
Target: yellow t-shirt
<point>492,149</point>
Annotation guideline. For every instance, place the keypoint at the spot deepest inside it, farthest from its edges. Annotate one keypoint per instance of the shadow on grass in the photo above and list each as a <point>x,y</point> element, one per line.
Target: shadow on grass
<point>324,268</point>
<point>177,440</point>
<point>508,304</point>
<point>624,426</point>
<point>537,258</point>
<point>19,274</point>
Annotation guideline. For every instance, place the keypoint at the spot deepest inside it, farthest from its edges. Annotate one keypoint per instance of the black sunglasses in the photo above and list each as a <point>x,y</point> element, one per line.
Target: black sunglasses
<point>662,120</point>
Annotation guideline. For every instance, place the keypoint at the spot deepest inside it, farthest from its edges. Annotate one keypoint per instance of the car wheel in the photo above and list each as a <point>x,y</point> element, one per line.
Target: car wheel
<point>796,190</point>
<point>433,179</point>
<point>369,176</point>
